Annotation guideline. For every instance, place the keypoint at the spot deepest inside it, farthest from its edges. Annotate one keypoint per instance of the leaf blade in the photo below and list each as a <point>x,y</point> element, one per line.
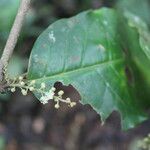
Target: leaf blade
<point>74,46</point>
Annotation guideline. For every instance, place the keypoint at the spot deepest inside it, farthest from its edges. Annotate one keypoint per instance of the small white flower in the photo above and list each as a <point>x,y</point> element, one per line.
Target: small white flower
<point>57,106</point>
<point>43,100</point>
<point>24,92</point>
<point>13,89</point>
<point>72,104</point>
<point>47,96</point>
<point>32,82</point>
<point>31,89</point>
<point>43,86</point>
<point>50,94</point>
<point>20,78</point>
<point>68,100</point>
<point>60,93</point>
<point>53,89</point>
<point>22,83</point>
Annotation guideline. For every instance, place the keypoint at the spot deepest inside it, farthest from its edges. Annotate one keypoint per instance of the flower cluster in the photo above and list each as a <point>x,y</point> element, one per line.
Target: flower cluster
<point>45,95</point>
<point>59,99</point>
<point>20,83</point>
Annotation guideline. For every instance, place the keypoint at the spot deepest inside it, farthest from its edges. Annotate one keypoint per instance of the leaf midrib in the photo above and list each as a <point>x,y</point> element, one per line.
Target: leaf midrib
<point>80,69</point>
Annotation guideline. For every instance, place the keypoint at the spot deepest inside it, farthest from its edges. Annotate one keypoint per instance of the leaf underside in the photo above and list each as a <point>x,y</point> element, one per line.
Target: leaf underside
<point>86,52</point>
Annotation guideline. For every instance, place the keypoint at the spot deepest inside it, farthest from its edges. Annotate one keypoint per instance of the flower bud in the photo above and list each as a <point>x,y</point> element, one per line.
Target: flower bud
<point>13,89</point>
<point>43,86</point>
<point>24,92</point>
<point>68,100</point>
<point>53,89</point>
<point>20,78</point>
<point>57,106</point>
<point>31,89</point>
<point>22,83</point>
<point>72,104</point>
<point>33,82</point>
<point>60,93</point>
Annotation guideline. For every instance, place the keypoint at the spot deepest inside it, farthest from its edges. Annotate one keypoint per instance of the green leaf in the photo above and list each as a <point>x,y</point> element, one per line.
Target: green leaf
<point>2,143</point>
<point>137,41</point>
<point>85,51</point>
<point>140,8</point>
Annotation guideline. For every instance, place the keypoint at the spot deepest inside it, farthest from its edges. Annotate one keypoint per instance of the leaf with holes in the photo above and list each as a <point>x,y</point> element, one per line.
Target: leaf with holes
<point>85,51</point>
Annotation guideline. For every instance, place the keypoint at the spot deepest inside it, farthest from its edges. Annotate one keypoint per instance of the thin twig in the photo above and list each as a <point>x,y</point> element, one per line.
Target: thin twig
<point>14,34</point>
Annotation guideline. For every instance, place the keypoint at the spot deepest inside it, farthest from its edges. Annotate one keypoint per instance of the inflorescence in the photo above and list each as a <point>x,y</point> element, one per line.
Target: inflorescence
<point>45,95</point>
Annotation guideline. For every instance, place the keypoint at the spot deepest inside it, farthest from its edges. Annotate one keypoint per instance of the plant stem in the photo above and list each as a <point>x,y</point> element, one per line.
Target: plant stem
<point>14,34</point>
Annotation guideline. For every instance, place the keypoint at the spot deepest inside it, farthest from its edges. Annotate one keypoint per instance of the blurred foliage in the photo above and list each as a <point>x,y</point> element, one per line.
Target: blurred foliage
<point>8,9</point>
<point>16,67</point>
<point>140,8</point>
<point>2,143</point>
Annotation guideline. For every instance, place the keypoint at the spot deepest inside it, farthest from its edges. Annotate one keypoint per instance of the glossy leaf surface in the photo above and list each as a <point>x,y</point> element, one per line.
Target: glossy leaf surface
<point>86,52</point>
